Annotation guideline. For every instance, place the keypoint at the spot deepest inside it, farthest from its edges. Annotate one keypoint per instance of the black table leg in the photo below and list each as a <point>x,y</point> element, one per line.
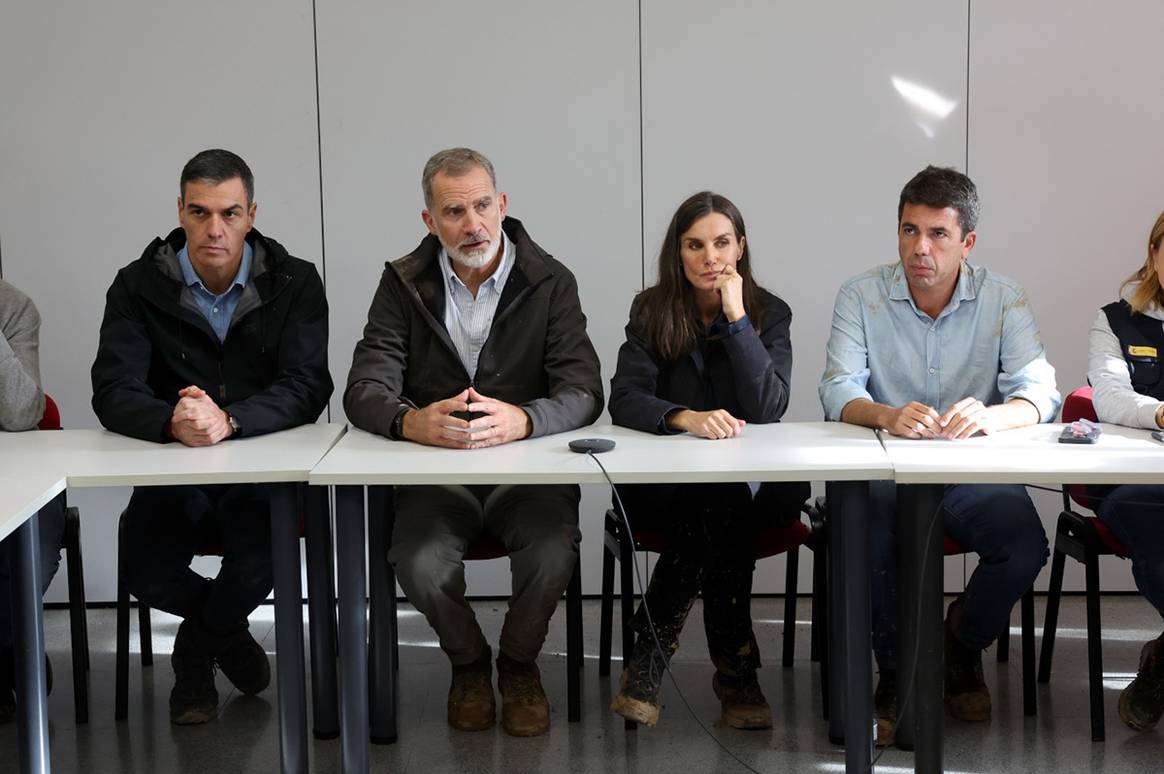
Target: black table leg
<point>321,612</point>
<point>383,659</point>
<point>836,612</point>
<point>289,628</point>
<point>920,535</point>
<point>848,504</point>
<point>28,633</point>
<point>349,541</point>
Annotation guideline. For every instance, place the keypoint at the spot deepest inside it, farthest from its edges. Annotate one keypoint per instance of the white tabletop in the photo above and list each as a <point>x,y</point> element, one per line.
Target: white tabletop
<point>22,496</point>
<point>795,451</point>
<point>1030,455</point>
<point>99,458</point>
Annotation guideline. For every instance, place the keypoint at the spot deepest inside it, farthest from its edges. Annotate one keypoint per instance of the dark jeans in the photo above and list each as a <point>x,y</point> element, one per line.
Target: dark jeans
<point>996,521</point>
<point>52,530</point>
<point>1135,514</point>
<point>709,531</point>
<point>166,526</point>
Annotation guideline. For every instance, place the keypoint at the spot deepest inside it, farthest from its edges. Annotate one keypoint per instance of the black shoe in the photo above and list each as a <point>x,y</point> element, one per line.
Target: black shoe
<point>244,662</point>
<point>1142,702</point>
<point>194,698</point>
<point>967,697</point>
<point>640,684</point>
<point>885,706</point>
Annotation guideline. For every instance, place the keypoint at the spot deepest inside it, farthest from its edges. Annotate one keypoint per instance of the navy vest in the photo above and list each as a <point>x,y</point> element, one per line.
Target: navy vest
<point>1142,345</point>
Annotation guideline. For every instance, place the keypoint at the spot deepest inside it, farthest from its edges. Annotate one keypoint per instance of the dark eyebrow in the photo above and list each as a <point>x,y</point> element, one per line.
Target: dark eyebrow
<point>725,234</point>
<point>484,200</point>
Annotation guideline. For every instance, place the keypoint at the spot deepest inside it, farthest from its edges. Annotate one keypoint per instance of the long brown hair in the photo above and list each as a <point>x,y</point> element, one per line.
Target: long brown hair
<point>666,312</point>
<point>1149,289</point>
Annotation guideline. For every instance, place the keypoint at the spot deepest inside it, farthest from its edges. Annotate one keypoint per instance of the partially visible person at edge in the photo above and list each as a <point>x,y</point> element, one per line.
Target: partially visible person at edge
<point>933,346</point>
<point>1124,367</point>
<point>214,333</point>
<point>707,351</point>
<point>21,407</point>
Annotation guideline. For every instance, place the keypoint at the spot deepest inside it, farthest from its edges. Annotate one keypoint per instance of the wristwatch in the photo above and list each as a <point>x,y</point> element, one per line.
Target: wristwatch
<point>234,425</point>
<point>396,431</point>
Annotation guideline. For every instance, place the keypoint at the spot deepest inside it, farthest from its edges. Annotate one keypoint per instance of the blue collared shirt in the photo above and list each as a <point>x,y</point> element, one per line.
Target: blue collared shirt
<point>984,344</point>
<point>218,310</point>
<point>468,319</point>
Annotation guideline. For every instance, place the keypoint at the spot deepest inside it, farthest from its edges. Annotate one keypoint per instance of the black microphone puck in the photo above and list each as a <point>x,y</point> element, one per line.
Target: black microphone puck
<point>592,445</point>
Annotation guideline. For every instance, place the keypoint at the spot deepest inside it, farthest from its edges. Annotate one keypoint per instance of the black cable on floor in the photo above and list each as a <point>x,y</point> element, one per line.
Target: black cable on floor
<point>651,623</point>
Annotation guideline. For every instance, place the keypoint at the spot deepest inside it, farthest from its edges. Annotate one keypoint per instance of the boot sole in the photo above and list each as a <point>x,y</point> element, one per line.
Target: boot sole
<point>194,717</point>
<point>971,716</point>
<point>1129,719</point>
<point>483,725</point>
<point>638,711</point>
<point>753,723</point>
<point>527,731</point>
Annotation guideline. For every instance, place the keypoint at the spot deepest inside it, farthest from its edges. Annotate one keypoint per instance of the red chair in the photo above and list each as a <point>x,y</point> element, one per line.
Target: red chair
<point>1085,539</point>
<point>770,542</point>
<point>78,624</point>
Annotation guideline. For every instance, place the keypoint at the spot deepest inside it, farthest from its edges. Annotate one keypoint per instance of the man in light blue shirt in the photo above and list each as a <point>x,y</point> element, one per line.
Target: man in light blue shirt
<point>935,347</point>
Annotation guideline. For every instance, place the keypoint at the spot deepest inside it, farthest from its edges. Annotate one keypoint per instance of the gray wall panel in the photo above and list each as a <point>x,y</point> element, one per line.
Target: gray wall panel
<point>791,111</point>
<point>102,107</point>
<point>549,91</point>
<point>1065,120</point>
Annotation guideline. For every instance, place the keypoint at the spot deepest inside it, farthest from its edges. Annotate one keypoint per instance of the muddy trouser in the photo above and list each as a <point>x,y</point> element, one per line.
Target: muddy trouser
<point>709,532</point>
<point>435,525</point>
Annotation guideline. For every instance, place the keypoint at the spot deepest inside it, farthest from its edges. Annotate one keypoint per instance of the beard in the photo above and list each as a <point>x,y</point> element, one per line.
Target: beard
<point>477,258</point>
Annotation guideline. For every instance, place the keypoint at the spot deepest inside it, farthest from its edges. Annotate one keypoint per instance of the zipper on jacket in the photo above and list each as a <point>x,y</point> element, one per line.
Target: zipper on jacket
<point>221,382</point>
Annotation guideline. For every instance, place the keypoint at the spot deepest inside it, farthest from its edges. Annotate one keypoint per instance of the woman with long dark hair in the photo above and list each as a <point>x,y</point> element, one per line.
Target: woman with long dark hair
<point>1125,357</point>
<point>707,351</point>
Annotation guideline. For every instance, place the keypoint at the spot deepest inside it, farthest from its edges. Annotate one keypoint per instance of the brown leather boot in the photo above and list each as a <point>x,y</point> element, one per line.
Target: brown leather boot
<point>885,707</point>
<point>472,706</point>
<point>742,703</point>
<point>967,697</point>
<point>525,711</point>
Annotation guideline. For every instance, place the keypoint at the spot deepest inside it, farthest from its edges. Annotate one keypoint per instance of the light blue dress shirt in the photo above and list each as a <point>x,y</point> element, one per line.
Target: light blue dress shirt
<point>468,319</point>
<point>218,310</point>
<point>984,344</point>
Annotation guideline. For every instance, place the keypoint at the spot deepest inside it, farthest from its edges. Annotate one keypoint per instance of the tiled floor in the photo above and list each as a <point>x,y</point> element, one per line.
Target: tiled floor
<point>244,738</point>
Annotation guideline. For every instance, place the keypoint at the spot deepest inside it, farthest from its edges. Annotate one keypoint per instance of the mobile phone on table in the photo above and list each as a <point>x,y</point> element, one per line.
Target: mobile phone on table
<point>1080,431</point>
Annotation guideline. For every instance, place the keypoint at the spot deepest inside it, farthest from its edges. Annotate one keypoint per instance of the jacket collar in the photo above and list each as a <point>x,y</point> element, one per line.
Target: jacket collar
<point>420,269</point>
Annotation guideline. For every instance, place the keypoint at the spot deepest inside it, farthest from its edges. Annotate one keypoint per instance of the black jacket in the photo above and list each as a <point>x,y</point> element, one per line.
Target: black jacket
<point>745,372</point>
<point>537,354</point>
<point>271,370</point>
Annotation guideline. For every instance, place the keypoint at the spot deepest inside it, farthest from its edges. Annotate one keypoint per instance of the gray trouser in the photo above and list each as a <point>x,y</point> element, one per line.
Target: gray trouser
<point>434,527</point>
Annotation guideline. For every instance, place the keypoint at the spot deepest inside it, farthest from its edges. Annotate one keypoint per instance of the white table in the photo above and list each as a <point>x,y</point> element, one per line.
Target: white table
<point>21,497</point>
<point>1028,455</point>
<point>97,458</point>
<point>847,455</point>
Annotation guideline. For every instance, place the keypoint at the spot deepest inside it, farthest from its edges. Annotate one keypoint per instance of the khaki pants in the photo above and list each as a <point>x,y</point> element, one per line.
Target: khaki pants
<point>435,525</point>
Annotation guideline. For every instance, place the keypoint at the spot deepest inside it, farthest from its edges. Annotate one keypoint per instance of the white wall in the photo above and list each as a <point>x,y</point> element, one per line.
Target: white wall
<point>790,110</point>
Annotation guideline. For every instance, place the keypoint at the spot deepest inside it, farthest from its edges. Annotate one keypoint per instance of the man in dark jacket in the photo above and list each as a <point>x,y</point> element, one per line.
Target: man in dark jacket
<point>477,338</point>
<point>215,332</point>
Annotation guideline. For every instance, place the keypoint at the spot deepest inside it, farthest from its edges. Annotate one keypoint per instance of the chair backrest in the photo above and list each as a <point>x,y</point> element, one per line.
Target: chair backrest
<point>1078,405</point>
<point>51,420</point>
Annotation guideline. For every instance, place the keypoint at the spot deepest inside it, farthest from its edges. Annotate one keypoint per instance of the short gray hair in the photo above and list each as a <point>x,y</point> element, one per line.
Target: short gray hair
<point>455,162</point>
